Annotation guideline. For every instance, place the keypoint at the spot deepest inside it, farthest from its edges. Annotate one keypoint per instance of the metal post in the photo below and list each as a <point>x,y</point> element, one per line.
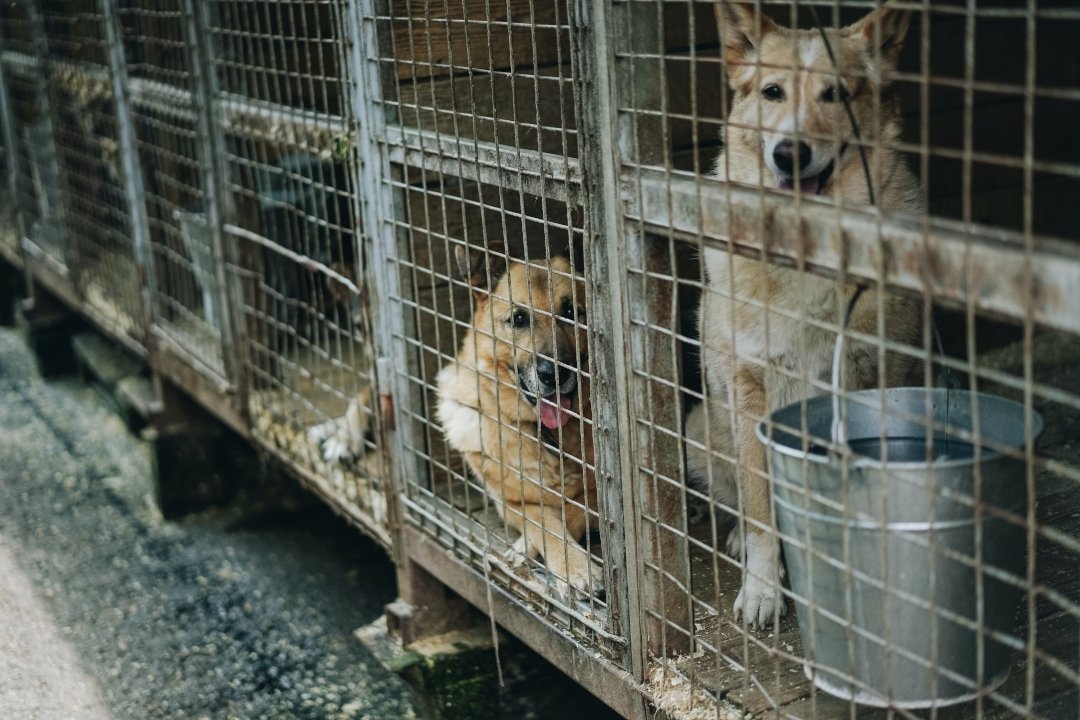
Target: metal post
<point>8,127</point>
<point>604,237</point>
<point>215,187</point>
<point>650,303</point>
<point>57,216</point>
<point>378,204</point>
<point>652,601</point>
<point>129,164</point>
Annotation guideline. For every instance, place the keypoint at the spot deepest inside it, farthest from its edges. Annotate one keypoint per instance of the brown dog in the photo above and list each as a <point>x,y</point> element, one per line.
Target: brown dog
<point>789,129</point>
<point>515,404</point>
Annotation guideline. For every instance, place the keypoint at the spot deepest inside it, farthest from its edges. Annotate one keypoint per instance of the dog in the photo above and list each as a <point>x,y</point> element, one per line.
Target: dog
<point>349,436</point>
<point>346,437</point>
<point>788,129</point>
<point>515,403</point>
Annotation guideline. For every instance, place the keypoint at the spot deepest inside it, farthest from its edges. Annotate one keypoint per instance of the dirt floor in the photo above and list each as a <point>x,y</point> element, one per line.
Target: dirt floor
<point>108,611</point>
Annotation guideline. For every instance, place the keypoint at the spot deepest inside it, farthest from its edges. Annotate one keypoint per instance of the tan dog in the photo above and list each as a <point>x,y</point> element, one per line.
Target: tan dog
<point>788,129</point>
<point>516,406</point>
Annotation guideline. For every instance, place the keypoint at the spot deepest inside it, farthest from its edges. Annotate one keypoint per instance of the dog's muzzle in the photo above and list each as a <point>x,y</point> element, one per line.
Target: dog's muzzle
<point>553,393</point>
<point>810,184</point>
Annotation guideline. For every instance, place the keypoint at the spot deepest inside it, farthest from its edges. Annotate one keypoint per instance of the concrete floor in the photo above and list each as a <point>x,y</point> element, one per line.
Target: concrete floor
<point>107,611</point>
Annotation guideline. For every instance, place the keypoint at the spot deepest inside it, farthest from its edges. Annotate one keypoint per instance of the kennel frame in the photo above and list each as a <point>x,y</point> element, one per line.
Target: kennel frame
<point>627,198</point>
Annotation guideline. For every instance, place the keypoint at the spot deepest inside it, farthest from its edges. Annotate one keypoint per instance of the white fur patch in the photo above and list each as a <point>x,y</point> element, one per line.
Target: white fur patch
<point>460,423</point>
<point>760,599</point>
<point>808,53</point>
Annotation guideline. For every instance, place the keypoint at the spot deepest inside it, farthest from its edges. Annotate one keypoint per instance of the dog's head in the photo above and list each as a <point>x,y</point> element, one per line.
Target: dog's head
<point>788,110</point>
<point>530,326</point>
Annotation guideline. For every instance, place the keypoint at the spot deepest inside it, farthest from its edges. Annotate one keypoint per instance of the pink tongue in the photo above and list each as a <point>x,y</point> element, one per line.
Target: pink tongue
<point>807,185</point>
<point>554,416</point>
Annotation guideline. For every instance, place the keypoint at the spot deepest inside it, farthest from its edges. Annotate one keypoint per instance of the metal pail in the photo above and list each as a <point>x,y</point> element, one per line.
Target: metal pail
<point>907,568</point>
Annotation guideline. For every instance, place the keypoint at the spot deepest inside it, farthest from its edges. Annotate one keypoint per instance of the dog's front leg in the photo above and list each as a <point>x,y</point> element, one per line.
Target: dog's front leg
<point>759,598</point>
<point>553,531</point>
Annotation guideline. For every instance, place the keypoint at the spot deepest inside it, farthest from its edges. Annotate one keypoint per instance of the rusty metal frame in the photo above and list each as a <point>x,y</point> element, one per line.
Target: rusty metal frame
<point>38,66</point>
<point>215,184</point>
<point>132,173</point>
<point>13,255</point>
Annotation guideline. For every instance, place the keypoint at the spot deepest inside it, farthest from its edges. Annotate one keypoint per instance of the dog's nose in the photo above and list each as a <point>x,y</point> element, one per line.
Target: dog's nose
<point>552,374</point>
<point>784,156</point>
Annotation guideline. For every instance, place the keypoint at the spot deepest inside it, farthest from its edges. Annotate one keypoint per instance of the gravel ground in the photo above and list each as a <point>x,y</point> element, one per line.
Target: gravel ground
<point>206,618</point>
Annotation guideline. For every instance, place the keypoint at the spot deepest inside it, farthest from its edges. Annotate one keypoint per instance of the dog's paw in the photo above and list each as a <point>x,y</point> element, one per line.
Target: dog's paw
<point>585,578</point>
<point>336,449</point>
<point>760,598</point>
<point>517,554</point>
<point>317,433</point>
<point>335,442</point>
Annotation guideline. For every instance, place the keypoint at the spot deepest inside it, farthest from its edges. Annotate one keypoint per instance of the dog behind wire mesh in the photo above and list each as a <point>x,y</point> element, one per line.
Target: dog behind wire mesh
<point>812,117</point>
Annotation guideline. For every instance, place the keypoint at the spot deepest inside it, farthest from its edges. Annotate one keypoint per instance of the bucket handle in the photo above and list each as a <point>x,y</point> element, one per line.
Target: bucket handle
<point>839,425</point>
<point>839,421</point>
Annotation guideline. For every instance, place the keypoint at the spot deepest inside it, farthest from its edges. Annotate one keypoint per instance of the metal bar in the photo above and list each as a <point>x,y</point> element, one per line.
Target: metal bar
<point>14,255</point>
<point>377,205</point>
<point>526,171</point>
<point>301,260</point>
<point>232,105</point>
<point>28,65</point>
<point>8,128</point>
<point>162,97</point>
<point>57,220</point>
<point>215,182</point>
<point>950,260</point>
<point>665,557</point>
<point>615,473</point>
<point>129,163</point>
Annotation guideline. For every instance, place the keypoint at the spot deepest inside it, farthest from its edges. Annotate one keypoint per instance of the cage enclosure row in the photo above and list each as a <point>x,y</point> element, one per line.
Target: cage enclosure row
<point>513,284</point>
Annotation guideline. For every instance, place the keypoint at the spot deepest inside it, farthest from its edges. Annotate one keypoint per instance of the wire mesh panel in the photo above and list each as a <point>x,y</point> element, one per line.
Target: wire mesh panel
<point>887,521</point>
<point>36,189</point>
<point>294,247</point>
<point>189,302</point>
<point>483,146</point>
<point>12,148</point>
<point>100,254</point>
<point>33,154</point>
<point>9,172</point>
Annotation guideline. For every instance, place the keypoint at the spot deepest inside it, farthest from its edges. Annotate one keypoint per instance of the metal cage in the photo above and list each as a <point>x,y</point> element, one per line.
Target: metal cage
<point>546,297</point>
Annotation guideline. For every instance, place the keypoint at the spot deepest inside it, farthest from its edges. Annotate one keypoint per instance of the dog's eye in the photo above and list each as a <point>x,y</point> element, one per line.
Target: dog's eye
<point>773,92</point>
<point>569,312</point>
<point>829,94</point>
<point>519,318</point>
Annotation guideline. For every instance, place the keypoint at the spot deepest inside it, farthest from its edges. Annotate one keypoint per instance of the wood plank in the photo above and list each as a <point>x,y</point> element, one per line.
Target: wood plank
<point>440,39</point>
<point>525,110</point>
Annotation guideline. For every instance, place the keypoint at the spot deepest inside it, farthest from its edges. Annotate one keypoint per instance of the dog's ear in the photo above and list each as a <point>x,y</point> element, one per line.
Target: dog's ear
<point>883,31</point>
<point>742,26</point>
<point>481,268</point>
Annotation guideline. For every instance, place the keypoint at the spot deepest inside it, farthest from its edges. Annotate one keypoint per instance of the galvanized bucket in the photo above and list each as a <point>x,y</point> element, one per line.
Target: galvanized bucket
<point>898,566</point>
